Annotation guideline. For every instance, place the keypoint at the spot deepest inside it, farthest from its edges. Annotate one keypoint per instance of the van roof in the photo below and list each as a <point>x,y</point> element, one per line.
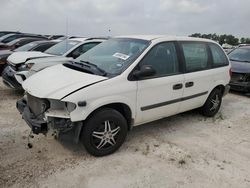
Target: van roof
<point>164,37</point>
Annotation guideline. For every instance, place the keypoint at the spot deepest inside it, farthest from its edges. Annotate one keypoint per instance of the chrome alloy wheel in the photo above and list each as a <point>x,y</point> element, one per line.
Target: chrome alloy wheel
<point>215,101</point>
<point>106,138</point>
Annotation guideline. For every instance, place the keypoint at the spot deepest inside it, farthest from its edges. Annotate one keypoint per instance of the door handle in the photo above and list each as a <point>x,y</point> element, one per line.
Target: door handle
<point>177,86</point>
<point>189,84</point>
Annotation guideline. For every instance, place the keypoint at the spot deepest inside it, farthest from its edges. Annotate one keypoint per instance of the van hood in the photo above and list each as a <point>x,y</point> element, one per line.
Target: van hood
<point>58,81</point>
<point>240,67</point>
<point>21,57</point>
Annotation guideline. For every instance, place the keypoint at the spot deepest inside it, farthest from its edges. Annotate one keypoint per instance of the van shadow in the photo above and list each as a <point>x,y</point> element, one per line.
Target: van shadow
<point>10,93</point>
<point>243,94</point>
<point>139,133</point>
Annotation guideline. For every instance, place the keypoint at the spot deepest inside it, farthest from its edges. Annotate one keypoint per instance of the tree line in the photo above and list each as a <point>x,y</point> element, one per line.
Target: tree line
<point>222,39</point>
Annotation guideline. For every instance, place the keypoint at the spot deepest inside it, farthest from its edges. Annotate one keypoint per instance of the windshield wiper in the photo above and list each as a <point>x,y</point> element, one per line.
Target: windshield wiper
<point>78,66</point>
<point>245,61</point>
<point>240,60</point>
<point>103,72</point>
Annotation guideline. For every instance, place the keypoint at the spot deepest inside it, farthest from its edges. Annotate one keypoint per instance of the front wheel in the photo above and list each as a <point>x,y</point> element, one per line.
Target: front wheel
<point>104,132</point>
<point>213,103</point>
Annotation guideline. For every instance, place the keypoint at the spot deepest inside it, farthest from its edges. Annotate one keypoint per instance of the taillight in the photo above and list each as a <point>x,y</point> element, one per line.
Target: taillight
<point>230,72</point>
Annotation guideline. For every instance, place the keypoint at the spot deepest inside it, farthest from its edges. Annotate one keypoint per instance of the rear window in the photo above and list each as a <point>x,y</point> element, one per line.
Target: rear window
<point>240,54</point>
<point>219,57</point>
<point>196,56</point>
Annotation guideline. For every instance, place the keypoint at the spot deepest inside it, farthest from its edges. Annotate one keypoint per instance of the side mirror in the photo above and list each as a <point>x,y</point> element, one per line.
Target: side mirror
<point>75,54</point>
<point>145,71</point>
<point>16,45</point>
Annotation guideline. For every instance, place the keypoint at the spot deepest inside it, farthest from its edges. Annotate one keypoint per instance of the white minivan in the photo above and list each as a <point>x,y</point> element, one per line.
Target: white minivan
<point>125,82</point>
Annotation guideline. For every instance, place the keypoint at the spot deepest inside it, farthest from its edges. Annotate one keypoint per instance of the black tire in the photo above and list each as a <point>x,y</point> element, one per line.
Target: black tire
<point>2,67</point>
<point>209,109</point>
<point>116,132</point>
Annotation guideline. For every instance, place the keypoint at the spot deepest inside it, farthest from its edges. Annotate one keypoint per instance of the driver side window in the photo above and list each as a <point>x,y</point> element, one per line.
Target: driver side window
<point>163,59</point>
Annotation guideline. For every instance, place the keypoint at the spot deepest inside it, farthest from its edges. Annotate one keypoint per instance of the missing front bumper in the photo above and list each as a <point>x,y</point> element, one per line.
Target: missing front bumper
<point>37,125</point>
<point>57,124</point>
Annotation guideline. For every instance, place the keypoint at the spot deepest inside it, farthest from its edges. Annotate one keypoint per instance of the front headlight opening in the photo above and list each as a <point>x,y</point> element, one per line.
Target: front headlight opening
<point>70,106</point>
<point>23,67</point>
<point>29,65</point>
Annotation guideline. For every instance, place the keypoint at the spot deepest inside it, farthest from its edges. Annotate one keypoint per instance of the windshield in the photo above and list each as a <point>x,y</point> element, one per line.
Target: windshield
<point>11,38</point>
<point>26,47</point>
<point>240,54</point>
<point>13,42</point>
<point>5,36</point>
<point>62,47</point>
<point>2,34</point>
<point>115,55</point>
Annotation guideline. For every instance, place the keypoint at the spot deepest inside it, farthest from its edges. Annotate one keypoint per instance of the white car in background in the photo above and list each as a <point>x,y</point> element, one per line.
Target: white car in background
<point>38,64</point>
<point>125,82</point>
<point>70,48</point>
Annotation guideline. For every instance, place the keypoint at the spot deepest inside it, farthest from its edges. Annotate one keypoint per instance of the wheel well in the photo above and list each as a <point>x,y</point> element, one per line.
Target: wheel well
<point>122,108</point>
<point>221,88</point>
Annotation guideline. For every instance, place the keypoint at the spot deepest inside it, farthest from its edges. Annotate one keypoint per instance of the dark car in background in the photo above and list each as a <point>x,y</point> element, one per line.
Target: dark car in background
<point>2,33</point>
<point>240,62</point>
<point>55,37</point>
<point>18,43</point>
<point>40,46</point>
<point>10,37</point>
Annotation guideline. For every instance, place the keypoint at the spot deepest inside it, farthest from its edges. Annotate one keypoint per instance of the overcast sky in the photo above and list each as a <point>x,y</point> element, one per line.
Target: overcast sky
<point>122,17</point>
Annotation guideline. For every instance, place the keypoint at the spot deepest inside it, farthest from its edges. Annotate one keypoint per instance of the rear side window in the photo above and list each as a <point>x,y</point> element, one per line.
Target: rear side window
<point>219,57</point>
<point>196,56</point>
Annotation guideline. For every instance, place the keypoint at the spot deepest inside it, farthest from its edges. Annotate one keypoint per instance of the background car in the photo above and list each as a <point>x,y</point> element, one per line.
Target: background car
<point>18,43</point>
<point>240,62</point>
<point>39,46</point>
<point>55,37</point>
<point>36,65</point>
<point>70,48</point>
<point>10,37</point>
<point>2,33</point>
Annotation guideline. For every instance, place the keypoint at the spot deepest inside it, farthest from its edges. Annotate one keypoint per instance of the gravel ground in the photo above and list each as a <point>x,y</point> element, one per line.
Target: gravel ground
<point>186,150</point>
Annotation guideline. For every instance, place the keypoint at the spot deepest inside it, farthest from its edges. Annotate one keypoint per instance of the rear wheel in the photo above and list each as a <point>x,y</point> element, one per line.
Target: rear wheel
<point>104,132</point>
<point>213,103</point>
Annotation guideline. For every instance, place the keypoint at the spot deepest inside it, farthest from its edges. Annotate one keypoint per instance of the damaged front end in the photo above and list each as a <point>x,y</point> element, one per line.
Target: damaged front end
<point>240,82</point>
<point>48,116</point>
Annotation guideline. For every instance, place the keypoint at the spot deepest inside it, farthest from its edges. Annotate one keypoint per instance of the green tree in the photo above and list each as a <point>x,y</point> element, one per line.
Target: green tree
<point>230,39</point>
<point>198,35</point>
<point>247,41</point>
<point>242,40</point>
<point>222,39</point>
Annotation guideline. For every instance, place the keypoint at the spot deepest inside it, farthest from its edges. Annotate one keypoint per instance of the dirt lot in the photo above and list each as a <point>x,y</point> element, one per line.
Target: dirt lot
<point>187,150</point>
